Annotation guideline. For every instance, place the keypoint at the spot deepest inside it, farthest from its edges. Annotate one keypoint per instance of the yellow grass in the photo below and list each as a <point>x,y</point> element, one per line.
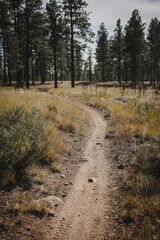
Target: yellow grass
<point>130,109</point>
<point>63,115</point>
<point>132,113</point>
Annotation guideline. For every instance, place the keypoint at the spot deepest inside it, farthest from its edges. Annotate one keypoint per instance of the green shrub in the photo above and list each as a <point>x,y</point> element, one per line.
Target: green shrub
<point>22,140</point>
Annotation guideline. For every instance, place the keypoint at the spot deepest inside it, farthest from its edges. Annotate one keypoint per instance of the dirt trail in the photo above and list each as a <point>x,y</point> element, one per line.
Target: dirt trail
<point>83,215</point>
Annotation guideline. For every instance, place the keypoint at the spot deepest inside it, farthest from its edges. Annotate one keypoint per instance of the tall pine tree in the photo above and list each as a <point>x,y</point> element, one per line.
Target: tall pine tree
<point>54,16</point>
<point>118,48</point>
<point>77,18</point>
<point>154,47</point>
<point>134,43</point>
<point>33,11</point>
<point>102,52</point>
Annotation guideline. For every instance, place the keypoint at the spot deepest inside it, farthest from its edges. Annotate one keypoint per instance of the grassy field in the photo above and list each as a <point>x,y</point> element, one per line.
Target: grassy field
<point>59,115</point>
<point>134,118</point>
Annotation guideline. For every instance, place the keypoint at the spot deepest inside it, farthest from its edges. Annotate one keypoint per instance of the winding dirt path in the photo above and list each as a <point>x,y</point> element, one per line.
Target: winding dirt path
<point>83,215</point>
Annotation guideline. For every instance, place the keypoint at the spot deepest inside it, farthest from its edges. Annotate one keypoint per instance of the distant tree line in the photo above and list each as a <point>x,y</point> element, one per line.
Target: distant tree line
<point>130,55</point>
<point>43,44</point>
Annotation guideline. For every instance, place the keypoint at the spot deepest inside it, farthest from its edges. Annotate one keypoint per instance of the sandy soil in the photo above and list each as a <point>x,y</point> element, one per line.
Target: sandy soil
<point>83,214</point>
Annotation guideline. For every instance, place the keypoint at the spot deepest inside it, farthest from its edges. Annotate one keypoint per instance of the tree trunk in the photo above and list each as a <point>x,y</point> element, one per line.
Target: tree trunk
<point>119,62</point>
<point>151,74</point>
<point>4,61</point>
<point>154,70</point>
<point>9,73</point>
<point>27,47</point>
<point>55,63</point>
<point>33,82</point>
<point>20,80</point>
<point>134,72</point>
<point>41,71</point>
<point>43,68</point>
<point>55,71</point>
<point>72,50</point>
<point>158,76</point>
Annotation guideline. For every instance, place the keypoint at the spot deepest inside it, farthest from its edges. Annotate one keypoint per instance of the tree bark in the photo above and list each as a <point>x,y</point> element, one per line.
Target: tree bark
<point>55,62</point>
<point>119,61</point>
<point>27,47</point>
<point>33,83</point>
<point>4,61</point>
<point>72,51</point>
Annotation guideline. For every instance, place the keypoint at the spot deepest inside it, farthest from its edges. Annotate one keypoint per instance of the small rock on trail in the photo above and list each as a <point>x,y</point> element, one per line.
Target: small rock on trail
<point>92,180</point>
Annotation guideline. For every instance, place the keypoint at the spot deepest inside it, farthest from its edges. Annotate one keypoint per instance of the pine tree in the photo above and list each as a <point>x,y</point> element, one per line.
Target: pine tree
<point>78,62</point>
<point>4,32</point>
<point>117,48</point>
<point>134,42</point>
<point>55,32</point>
<point>85,70</point>
<point>16,9</point>
<point>102,52</point>
<point>154,47</point>
<point>90,65</point>
<point>79,25</point>
<point>33,11</point>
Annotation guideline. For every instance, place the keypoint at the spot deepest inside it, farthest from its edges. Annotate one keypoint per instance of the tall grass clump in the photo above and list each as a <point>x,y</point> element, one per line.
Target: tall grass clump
<point>22,141</point>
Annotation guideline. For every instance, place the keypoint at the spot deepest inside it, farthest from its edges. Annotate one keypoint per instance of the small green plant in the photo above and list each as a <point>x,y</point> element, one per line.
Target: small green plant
<point>22,140</point>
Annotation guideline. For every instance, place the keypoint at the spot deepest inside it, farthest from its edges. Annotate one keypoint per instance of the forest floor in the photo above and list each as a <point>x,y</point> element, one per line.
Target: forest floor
<point>96,190</point>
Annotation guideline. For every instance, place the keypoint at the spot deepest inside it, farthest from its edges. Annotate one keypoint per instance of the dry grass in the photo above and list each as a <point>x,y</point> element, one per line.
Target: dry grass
<point>66,121</point>
<point>63,115</point>
<point>135,116</point>
<point>133,111</point>
<point>38,209</point>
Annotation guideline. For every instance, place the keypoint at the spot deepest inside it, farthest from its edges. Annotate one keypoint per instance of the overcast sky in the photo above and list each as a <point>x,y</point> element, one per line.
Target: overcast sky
<point>108,11</point>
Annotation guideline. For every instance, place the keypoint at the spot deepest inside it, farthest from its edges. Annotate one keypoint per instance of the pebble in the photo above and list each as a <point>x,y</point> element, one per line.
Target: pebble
<point>64,195</point>
<point>121,166</point>
<point>62,176</point>
<point>51,214</point>
<point>116,188</point>
<point>28,229</point>
<point>66,184</point>
<point>99,143</point>
<point>92,180</point>
<point>51,199</point>
<point>107,136</point>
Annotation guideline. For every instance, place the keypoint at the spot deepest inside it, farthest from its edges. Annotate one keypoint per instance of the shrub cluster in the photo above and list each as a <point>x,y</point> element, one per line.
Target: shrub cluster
<point>22,140</point>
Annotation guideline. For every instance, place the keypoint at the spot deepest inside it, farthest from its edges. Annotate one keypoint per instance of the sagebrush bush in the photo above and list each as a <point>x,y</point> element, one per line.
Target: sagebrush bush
<point>22,140</point>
